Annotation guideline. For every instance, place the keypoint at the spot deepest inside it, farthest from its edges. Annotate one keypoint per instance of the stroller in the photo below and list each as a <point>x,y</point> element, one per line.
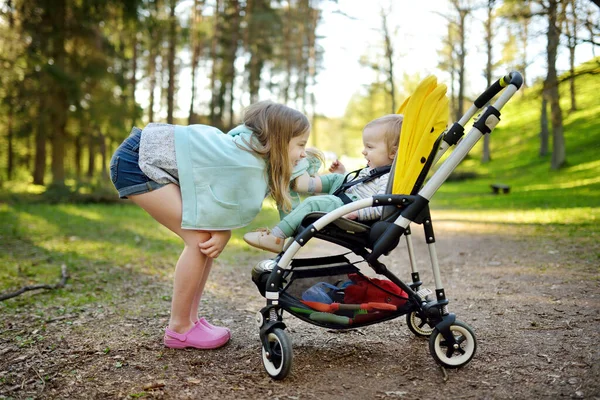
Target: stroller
<point>331,292</point>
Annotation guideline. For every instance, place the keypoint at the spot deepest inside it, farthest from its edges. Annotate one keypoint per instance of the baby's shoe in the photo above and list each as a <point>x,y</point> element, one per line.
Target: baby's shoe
<point>199,337</point>
<point>265,240</point>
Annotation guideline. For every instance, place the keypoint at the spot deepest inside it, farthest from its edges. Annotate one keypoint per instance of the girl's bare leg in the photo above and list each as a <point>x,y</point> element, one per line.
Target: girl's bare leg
<point>200,290</point>
<point>165,206</point>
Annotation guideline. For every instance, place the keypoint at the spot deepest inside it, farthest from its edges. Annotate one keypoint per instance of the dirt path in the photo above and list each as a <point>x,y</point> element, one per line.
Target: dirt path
<point>534,305</point>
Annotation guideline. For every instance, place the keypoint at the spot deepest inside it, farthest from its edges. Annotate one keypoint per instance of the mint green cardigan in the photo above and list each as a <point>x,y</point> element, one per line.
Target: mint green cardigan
<point>222,185</point>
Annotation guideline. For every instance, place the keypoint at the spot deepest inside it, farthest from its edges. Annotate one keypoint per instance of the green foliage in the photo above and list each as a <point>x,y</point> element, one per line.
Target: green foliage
<point>515,161</point>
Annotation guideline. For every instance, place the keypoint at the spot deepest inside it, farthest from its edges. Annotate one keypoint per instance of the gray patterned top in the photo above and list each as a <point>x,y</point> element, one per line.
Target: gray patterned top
<point>157,153</point>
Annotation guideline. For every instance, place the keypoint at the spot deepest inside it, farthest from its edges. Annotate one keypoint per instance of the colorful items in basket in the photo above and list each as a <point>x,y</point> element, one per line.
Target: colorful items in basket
<point>324,292</point>
<point>333,307</point>
<point>361,299</point>
<point>324,312</point>
<point>368,290</point>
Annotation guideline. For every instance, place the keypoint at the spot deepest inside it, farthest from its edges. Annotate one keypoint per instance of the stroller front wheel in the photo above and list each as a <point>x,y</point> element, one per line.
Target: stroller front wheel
<point>277,360</point>
<point>418,325</point>
<point>457,354</point>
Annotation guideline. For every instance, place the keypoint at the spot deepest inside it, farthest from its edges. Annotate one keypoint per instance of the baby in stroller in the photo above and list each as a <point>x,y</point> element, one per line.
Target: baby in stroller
<point>380,141</point>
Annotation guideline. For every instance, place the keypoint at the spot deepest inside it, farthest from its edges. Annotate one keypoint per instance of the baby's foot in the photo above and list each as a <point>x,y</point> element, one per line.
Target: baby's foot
<point>265,240</point>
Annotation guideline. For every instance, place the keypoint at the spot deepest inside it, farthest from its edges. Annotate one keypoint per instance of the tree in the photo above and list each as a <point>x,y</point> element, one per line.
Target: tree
<point>570,25</point>
<point>171,61</point>
<point>197,37</point>
<point>489,34</point>
<point>462,11</point>
<point>447,62</point>
<point>518,13</point>
<point>551,86</point>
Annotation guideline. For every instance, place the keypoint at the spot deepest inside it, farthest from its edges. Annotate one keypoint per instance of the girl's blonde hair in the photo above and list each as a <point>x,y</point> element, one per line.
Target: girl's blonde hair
<point>274,125</point>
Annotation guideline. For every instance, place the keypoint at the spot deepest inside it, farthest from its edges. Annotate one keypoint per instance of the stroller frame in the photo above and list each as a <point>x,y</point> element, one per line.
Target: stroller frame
<point>452,343</point>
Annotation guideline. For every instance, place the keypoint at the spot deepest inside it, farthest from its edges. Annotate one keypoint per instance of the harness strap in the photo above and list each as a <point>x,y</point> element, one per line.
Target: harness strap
<point>373,174</point>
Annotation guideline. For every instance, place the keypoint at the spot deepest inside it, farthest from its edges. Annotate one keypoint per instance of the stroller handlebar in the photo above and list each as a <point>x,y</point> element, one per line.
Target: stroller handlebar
<point>512,78</point>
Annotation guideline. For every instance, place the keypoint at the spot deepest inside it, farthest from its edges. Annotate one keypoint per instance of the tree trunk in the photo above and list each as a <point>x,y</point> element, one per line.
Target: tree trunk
<point>287,53</point>
<point>133,81</point>
<point>171,61</point>
<point>230,75</point>
<point>389,54</point>
<point>60,105</point>
<point>462,14</point>
<point>486,155</point>
<point>10,161</point>
<point>39,168</point>
<point>558,140</point>
<point>215,64</point>
<point>572,43</point>
<point>152,83</point>
<point>196,44</point>
<point>103,154</point>
<point>91,156</point>
<point>78,155</point>
<point>544,134</point>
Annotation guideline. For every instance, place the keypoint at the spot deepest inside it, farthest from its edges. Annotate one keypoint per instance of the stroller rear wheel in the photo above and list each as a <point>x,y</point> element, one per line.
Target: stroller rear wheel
<point>457,354</point>
<point>277,360</point>
<point>418,325</point>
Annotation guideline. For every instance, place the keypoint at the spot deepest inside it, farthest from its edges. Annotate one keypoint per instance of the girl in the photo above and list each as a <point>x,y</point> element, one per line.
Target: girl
<point>200,184</point>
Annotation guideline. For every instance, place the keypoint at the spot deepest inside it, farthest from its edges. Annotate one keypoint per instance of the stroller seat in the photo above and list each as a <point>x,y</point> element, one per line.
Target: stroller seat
<point>347,225</point>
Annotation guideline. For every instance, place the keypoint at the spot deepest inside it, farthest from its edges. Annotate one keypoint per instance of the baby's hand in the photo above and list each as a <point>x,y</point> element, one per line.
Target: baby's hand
<point>215,245</point>
<point>353,215</point>
<point>337,167</point>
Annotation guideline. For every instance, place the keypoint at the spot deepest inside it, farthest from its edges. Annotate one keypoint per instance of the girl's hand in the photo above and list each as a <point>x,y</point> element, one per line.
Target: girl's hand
<point>337,167</point>
<point>353,215</point>
<point>215,245</point>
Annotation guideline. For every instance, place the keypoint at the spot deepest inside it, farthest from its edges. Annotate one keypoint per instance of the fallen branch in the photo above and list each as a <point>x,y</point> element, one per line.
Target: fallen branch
<point>24,289</point>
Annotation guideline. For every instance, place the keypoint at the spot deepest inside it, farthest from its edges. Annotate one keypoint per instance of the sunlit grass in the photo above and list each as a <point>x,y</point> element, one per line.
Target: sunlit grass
<point>584,216</point>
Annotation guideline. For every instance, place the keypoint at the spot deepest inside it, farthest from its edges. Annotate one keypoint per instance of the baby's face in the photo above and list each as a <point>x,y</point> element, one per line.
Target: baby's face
<point>297,149</point>
<point>375,149</point>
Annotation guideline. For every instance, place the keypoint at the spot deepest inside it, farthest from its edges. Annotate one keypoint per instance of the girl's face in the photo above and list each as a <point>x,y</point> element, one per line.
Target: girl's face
<point>375,149</point>
<point>297,148</point>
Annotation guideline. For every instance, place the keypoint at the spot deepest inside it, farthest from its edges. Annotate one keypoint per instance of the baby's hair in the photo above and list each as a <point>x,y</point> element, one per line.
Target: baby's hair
<point>274,125</point>
<point>391,124</point>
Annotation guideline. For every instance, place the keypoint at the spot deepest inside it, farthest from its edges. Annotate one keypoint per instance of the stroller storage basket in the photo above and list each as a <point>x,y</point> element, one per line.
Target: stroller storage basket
<point>331,292</point>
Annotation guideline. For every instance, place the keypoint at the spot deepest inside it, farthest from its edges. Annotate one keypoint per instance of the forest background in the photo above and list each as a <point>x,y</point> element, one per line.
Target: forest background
<point>76,75</point>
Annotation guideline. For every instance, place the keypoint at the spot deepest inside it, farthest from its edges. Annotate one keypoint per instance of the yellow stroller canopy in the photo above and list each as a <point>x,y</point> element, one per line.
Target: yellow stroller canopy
<point>425,118</point>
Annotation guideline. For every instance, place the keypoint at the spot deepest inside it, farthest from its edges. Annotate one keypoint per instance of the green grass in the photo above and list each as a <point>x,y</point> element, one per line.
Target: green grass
<point>105,248</point>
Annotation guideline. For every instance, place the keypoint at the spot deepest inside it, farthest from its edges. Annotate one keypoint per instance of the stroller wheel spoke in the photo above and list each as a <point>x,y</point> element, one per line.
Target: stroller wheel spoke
<point>453,353</point>
<point>418,324</point>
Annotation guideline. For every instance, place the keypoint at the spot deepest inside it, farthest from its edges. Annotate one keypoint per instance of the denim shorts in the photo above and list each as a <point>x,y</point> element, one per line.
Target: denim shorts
<point>125,171</point>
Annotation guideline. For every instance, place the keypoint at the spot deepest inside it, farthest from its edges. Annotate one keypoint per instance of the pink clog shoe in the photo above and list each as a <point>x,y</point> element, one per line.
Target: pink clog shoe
<point>207,324</point>
<point>199,337</point>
